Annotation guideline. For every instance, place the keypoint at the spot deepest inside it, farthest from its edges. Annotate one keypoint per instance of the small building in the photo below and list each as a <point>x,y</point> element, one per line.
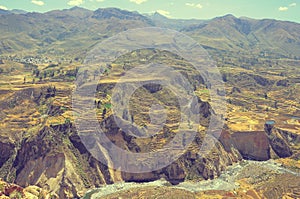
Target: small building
<point>269,125</point>
<point>271,122</point>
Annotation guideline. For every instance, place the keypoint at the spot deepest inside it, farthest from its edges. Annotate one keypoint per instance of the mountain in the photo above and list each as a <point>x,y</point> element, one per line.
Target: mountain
<point>40,144</point>
<point>14,11</point>
<point>4,12</point>
<point>18,11</point>
<point>109,13</point>
<point>242,34</point>
<point>177,24</point>
<point>257,151</point>
<point>70,30</point>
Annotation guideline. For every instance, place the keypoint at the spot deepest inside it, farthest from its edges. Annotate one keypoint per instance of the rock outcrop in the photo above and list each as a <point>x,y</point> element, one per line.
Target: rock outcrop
<point>277,141</point>
<point>56,160</point>
<point>252,145</point>
<point>6,151</point>
<point>153,88</point>
<point>261,145</point>
<point>9,190</point>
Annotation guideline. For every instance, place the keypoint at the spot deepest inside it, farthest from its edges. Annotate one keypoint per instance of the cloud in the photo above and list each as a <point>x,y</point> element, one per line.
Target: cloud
<point>138,1</point>
<point>75,2</point>
<point>97,0</point>
<point>283,8</point>
<point>39,3</point>
<point>3,8</point>
<point>164,13</point>
<point>194,5</point>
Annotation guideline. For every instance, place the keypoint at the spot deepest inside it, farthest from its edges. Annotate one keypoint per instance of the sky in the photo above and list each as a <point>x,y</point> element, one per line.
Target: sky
<point>288,10</point>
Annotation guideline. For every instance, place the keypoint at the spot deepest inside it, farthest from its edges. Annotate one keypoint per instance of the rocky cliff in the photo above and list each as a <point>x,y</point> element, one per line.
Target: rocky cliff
<point>40,145</point>
<point>279,141</point>
<point>261,145</point>
<point>56,159</point>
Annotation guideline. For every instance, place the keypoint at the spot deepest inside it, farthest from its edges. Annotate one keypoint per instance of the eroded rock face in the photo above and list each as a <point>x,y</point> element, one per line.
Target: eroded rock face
<point>278,142</point>
<point>252,145</point>
<point>192,165</point>
<point>140,177</point>
<point>209,165</point>
<point>200,107</point>
<point>6,151</point>
<point>260,145</point>
<point>153,88</point>
<point>56,159</point>
<point>289,137</point>
<point>174,173</point>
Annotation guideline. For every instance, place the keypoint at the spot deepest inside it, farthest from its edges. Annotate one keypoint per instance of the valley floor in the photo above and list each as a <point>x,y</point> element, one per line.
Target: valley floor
<point>240,180</point>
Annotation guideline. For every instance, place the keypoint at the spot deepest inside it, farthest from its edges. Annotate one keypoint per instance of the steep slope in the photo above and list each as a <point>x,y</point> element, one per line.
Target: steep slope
<point>41,146</point>
<point>68,31</point>
<point>4,12</point>
<point>39,143</point>
<point>268,36</point>
<point>176,24</point>
<point>60,31</point>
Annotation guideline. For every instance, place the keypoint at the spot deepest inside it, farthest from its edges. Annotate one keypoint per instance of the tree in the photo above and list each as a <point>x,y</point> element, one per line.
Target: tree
<point>45,74</point>
<point>52,74</point>
<point>104,113</point>
<point>184,140</point>
<point>276,104</point>
<point>99,104</point>
<point>37,73</point>
<point>67,120</point>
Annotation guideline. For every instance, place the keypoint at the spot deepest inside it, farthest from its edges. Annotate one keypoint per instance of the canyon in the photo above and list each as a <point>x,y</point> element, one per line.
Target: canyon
<point>42,155</point>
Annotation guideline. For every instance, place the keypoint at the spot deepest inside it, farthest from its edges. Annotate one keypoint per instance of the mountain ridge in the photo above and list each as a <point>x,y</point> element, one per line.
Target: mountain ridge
<point>40,144</point>
<point>54,31</point>
<point>61,31</point>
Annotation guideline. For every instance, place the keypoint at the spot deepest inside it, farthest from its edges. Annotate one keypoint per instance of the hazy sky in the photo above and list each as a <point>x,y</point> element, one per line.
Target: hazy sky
<point>201,9</point>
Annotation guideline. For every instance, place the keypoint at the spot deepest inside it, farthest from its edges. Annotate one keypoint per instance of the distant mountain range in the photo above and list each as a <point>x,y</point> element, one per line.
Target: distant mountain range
<point>73,31</point>
<point>14,11</point>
